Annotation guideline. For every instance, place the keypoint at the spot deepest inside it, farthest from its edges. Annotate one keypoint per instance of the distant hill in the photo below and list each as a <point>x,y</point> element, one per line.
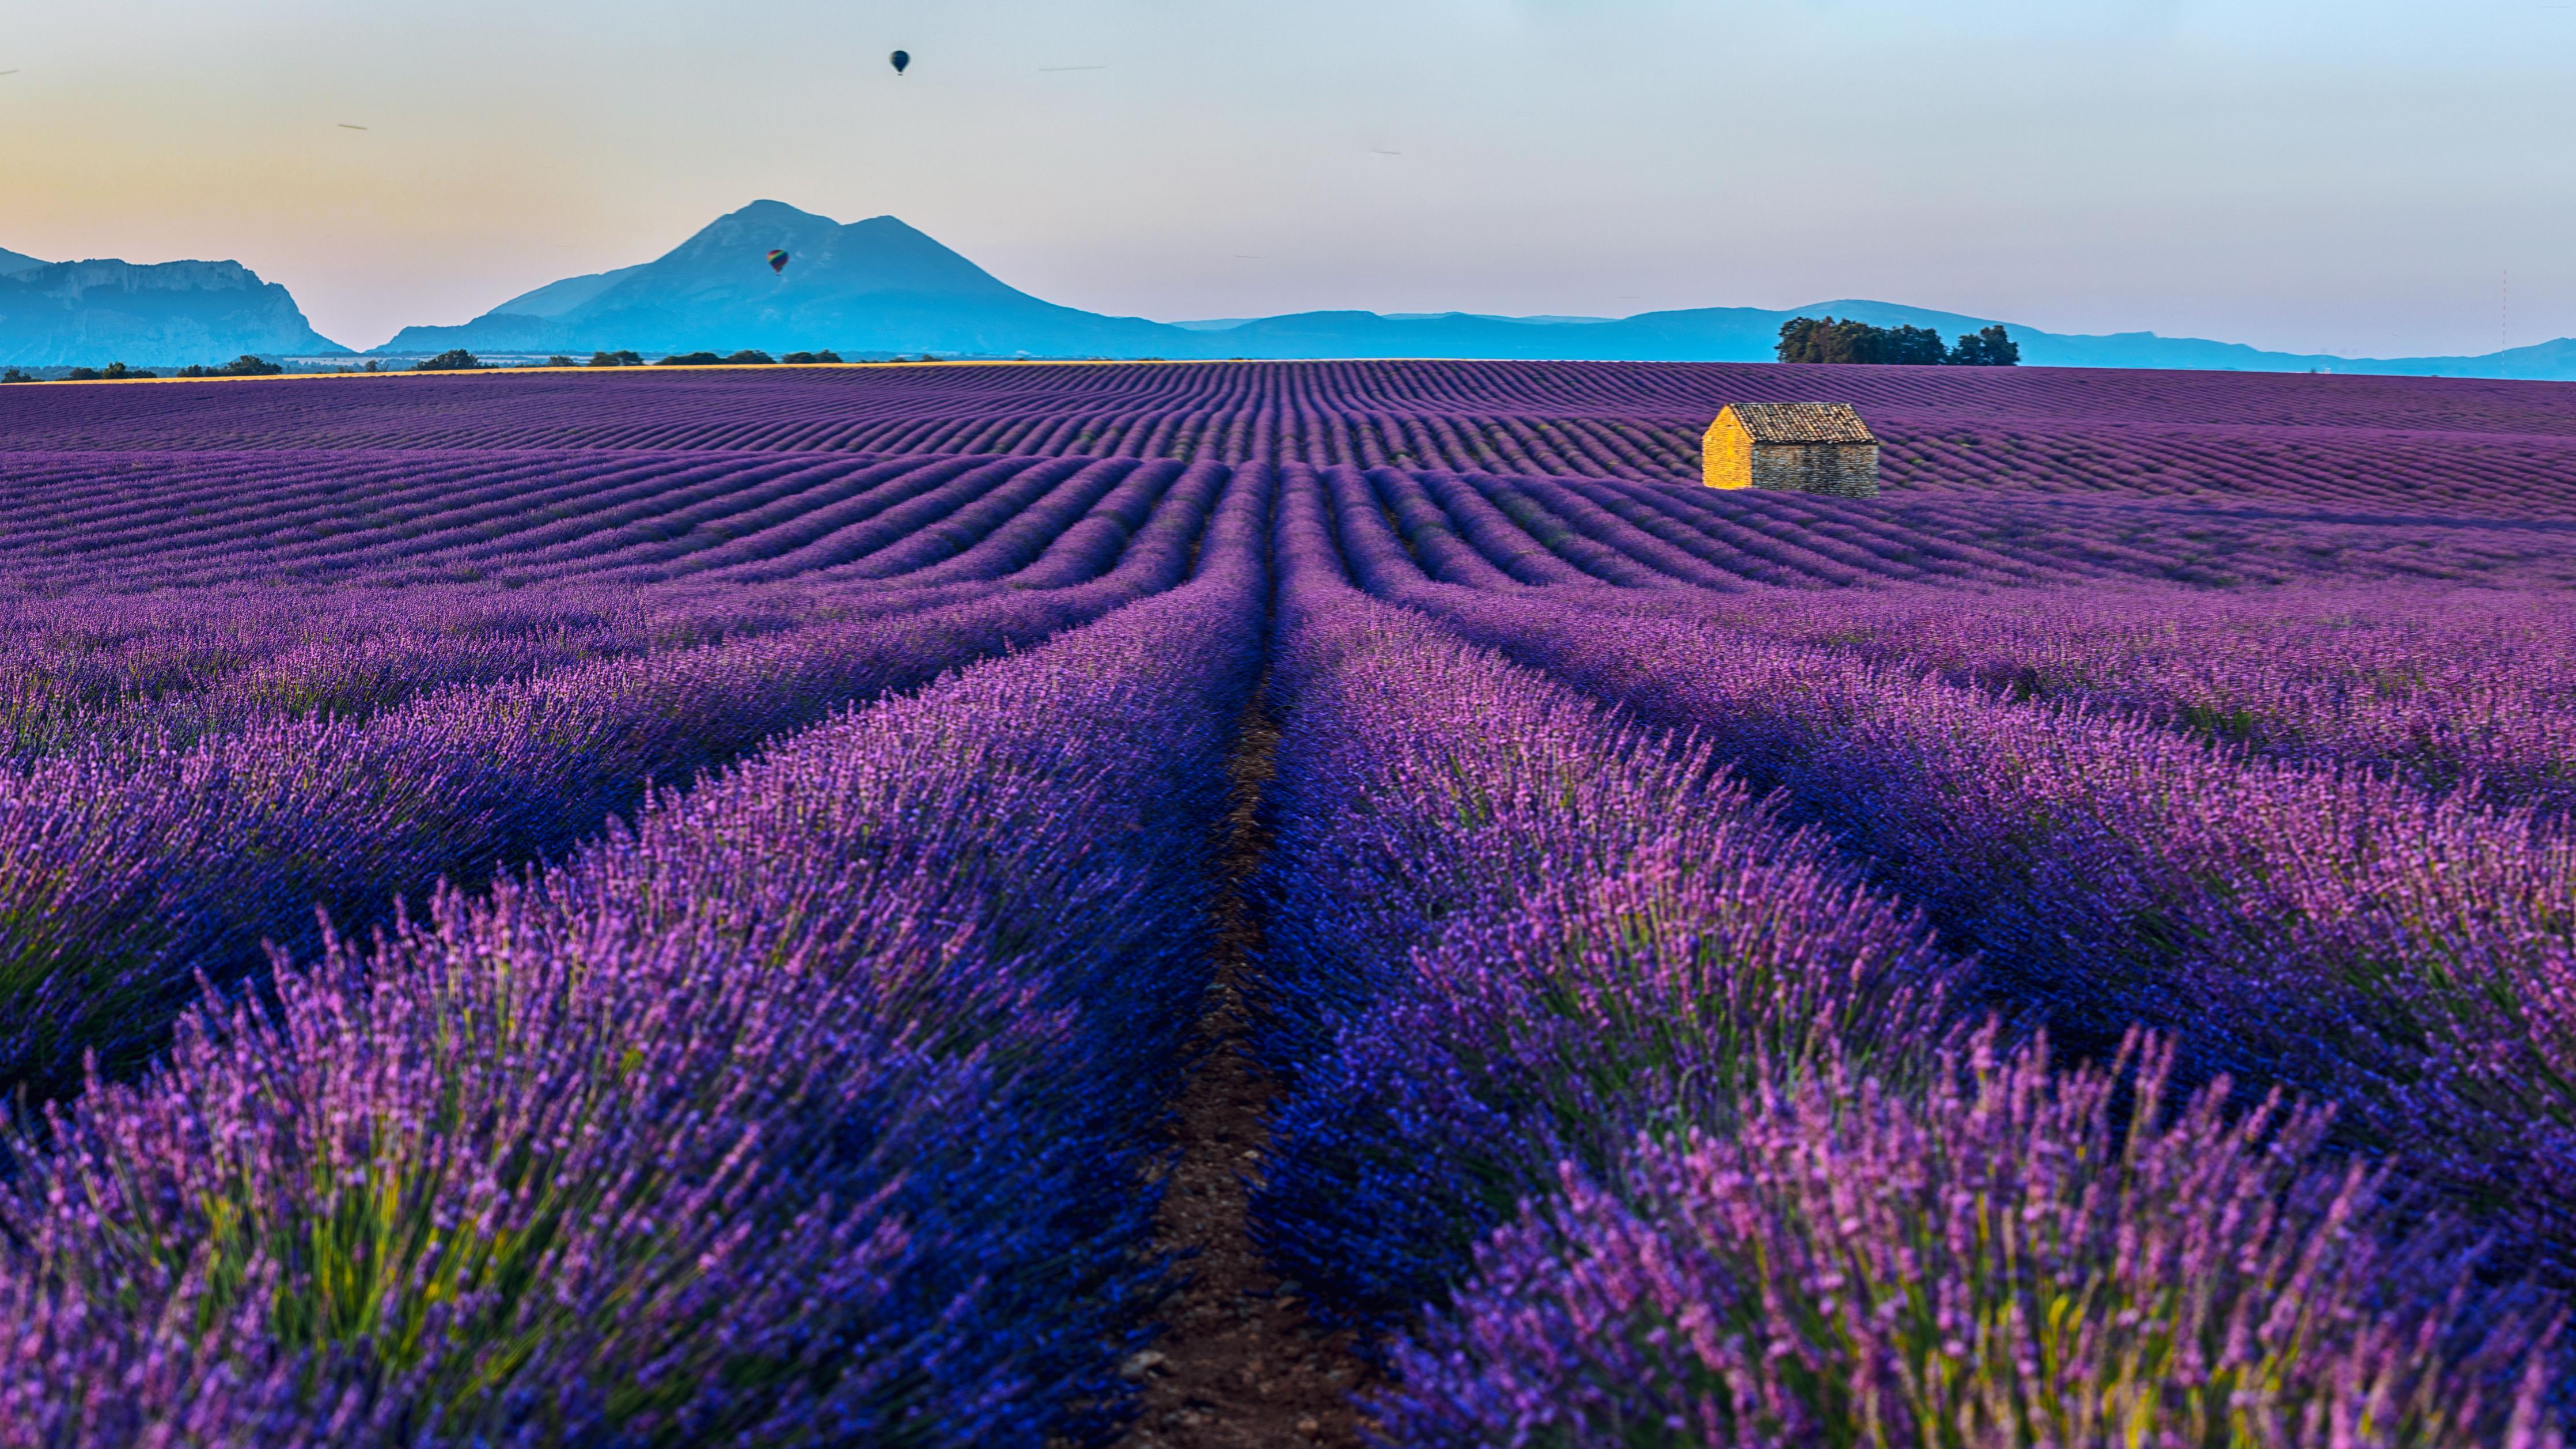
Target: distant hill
<point>1748,334</point>
<point>162,315</point>
<point>556,298</point>
<point>871,286</point>
<point>879,286</point>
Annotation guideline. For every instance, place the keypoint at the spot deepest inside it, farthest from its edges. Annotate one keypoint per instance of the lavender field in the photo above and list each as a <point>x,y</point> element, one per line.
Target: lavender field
<point>827,906</point>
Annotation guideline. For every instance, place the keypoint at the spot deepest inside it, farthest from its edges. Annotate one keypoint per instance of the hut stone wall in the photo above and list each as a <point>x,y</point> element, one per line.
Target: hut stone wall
<point>1846,470</point>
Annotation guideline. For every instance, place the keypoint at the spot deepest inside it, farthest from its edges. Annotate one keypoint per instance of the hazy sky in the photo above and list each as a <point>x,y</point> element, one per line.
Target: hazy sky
<point>2356,176</point>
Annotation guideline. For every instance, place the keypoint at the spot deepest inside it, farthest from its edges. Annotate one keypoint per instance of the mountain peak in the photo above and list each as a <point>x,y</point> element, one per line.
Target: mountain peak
<point>155,314</point>
<point>766,209</point>
<point>771,219</point>
<point>879,284</point>
<point>12,263</point>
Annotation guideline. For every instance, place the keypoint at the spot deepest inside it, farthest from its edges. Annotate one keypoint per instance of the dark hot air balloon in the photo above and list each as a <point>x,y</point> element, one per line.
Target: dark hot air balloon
<point>901,58</point>
<point>778,261</point>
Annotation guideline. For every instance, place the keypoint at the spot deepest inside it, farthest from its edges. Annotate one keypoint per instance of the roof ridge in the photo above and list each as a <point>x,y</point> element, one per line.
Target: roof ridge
<point>1801,422</point>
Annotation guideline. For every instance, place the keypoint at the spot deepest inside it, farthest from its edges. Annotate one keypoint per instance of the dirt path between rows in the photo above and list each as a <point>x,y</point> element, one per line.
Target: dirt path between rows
<point>1241,1367</point>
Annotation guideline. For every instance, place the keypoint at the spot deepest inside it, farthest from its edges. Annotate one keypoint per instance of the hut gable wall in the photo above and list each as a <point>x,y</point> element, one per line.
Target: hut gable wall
<point>1726,453</point>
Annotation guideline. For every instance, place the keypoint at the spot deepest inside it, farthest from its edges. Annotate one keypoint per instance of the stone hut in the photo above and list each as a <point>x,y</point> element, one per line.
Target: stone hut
<point>1809,447</point>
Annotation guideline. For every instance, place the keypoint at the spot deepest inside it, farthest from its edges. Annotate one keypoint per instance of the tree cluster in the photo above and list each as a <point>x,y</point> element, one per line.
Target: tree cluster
<point>748,357</point>
<point>454,359</point>
<point>245,365</point>
<point>1810,339</point>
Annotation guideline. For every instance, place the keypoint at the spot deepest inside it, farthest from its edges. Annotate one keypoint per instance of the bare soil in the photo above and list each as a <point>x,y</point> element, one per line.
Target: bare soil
<point>1241,1365</point>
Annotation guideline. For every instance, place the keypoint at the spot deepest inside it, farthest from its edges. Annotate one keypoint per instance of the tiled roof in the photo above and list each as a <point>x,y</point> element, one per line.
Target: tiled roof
<point>1802,422</point>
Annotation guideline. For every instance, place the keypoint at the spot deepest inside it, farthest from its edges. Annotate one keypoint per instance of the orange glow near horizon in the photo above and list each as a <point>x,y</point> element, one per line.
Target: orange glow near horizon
<point>2347,177</point>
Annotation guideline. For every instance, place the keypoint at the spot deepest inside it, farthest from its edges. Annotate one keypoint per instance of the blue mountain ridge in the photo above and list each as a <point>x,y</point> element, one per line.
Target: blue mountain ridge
<point>156,315</point>
<point>880,286</point>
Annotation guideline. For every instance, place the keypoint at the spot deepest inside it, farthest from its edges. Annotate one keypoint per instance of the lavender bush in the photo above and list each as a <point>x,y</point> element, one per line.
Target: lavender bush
<point>1500,947</point>
<point>1997,1254</point>
<point>1920,1242</point>
<point>170,669</point>
<point>2402,954</point>
<point>815,1110</point>
<point>2440,688</point>
<point>127,876</point>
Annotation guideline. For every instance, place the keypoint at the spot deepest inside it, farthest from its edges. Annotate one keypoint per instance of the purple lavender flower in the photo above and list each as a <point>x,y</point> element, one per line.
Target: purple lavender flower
<point>2000,1253</point>
<point>815,1109</point>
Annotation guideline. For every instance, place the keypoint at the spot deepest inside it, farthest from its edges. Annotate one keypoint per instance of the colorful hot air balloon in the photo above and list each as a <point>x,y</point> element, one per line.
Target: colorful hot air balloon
<point>777,260</point>
<point>900,59</point>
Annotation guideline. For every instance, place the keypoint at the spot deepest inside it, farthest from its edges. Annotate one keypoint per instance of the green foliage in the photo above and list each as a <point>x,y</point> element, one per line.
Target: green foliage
<point>118,372</point>
<point>750,358</point>
<point>691,359</point>
<point>454,359</point>
<point>14,375</point>
<point>798,359</point>
<point>245,365</point>
<point>1832,340</point>
<point>617,359</point>
<point>1992,347</point>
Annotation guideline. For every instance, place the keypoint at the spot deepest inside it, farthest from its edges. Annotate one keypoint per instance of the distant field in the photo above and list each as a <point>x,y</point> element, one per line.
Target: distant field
<point>2024,474</point>
<point>787,906</point>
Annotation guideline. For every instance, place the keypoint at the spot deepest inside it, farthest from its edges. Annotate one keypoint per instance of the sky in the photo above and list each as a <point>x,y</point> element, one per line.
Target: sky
<point>2361,177</point>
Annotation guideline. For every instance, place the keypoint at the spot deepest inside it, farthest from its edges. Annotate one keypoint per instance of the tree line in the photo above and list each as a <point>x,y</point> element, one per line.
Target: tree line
<point>1813,339</point>
<point>459,360</point>
<point>245,365</point>
<point>455,359</point>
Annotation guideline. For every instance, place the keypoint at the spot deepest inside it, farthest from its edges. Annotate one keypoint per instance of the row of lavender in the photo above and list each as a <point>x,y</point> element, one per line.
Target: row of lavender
<point>2370,470</point>
<point>1697,1138</point>
<point>136,865</point>
<point>1587,532</point>
<point>175,665</point>
<point>2354,926</point>
<point>817,1108</point>
<point>913,408</point>
<point>555,518</point>
<point>2444,689</point>
<point>74,522</point>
